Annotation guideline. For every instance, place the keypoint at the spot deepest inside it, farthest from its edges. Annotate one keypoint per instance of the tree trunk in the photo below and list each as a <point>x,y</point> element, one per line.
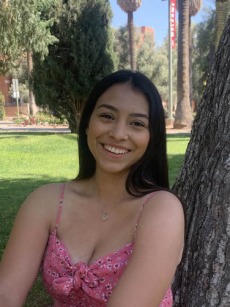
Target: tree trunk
<point>32,104</point>
<point>131,41</point>
<point>190,63</point>
<point>203,278</point>
<point>183,116</point>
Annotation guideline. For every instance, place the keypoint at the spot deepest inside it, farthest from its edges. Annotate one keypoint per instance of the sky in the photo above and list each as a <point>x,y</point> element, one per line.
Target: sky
<point>152,13</point>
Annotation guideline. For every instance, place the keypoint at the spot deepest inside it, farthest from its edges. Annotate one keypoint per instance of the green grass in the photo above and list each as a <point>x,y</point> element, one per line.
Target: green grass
<point>29,160</point>
<point>176,147</point>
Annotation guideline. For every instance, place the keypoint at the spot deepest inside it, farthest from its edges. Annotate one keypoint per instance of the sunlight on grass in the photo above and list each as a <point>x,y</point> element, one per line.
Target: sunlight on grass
<point>30,156</point>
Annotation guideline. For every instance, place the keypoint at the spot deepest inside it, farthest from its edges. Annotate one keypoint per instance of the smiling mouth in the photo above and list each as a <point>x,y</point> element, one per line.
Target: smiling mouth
<point>115,150</point>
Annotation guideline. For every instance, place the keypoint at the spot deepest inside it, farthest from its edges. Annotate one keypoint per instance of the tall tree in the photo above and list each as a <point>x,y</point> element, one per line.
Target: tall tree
<point>194,7</point>
<point>145,46</point>
<point>151,60</point>
<point>121,43</point>
<point>145,53</point>
<point>203,53</point>
<point>222,14</point>
<point>203,184</point>
<point>83,55</point>
<point>130,6</point>
<point>183,116</point>
<point>160,72</point>
<point>23,30</point>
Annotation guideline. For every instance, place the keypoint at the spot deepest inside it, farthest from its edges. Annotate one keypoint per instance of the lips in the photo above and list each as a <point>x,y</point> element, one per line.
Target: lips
<point>115,150</point>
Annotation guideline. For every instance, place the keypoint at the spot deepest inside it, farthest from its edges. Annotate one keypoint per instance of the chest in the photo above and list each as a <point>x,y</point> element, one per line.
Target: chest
<point>71,282</point>
<point>87,237</point>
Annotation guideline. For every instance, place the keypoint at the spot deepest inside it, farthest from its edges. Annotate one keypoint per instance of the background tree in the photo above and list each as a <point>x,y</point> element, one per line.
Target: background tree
<point>160,72</point>
<point>83,55</point>
<point>222,14</point>
<point>130,6</point>
<point>203,53</point>
<point>23,30</point>
<point>203,185</point>
<point>151,60</point>
<point>121,43</point>
<point>145,53</point>
<point>183,116</point>
<point>194,7</point>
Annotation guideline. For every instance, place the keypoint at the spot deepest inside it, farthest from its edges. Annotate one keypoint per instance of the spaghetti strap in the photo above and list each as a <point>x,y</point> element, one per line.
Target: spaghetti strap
<point>62,192</point>
<point>140,211</point>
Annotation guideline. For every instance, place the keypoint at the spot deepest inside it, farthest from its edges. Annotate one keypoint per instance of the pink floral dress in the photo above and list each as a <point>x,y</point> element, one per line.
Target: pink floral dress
<point>81,285</point>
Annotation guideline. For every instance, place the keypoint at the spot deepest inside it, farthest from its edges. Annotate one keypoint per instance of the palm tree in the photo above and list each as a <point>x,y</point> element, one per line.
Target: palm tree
<point>222,14</point>
<point>130,6</point>
<point>194,7</point>
<point>183,116</point>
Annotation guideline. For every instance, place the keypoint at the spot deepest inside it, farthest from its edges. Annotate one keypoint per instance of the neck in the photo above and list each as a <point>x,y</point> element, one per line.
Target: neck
<point>109,187</point>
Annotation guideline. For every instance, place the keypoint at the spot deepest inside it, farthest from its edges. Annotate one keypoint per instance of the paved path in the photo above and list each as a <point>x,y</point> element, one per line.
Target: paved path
<point>9,126</point>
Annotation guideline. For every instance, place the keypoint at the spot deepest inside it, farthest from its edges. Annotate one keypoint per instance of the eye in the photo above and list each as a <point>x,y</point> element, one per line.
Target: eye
<point>106,116</point>
<point>138,124</point>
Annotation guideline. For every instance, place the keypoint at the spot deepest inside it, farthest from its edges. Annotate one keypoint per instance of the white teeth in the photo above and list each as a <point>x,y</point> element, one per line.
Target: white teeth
<point>115,150</point>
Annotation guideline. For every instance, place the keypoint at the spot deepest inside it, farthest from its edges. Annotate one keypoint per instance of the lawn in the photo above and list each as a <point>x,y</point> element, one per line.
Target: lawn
<point>30,160</point>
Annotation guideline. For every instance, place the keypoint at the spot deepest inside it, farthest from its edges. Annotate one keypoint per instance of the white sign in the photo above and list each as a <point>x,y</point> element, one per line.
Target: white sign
<point>15,85</point>
<point>16,95</point>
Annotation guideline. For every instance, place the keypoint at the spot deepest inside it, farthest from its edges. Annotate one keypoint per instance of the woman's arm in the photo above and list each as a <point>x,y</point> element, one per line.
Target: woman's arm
<point>25,248</point>
<point>157,252</point>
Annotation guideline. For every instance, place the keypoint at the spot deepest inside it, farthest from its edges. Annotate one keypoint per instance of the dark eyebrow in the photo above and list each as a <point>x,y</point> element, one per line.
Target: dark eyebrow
<point>140,115</point>
<point>114,109</point>
<point>108,106</point>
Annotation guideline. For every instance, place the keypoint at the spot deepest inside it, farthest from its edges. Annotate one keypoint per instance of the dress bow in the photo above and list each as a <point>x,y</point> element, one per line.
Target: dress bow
<point>83,278</point>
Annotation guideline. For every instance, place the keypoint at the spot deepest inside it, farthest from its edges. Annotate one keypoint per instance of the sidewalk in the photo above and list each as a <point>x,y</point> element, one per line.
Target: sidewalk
<point>9,126</point>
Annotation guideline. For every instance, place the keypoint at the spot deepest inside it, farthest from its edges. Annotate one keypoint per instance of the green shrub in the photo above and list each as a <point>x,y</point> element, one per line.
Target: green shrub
<point>43,117</point>
<point>2,112</point>
<point>2,99</point>
<point>2,109</point>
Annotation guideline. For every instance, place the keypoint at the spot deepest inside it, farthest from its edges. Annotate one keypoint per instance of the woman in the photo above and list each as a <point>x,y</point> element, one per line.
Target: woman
<point>114,236</point>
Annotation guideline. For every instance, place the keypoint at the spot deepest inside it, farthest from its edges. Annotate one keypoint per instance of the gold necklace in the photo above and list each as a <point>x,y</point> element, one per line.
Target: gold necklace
<point>105,213</point>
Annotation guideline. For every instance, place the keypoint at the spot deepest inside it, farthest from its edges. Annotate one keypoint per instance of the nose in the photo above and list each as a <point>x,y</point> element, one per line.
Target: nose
<point>119,131</point>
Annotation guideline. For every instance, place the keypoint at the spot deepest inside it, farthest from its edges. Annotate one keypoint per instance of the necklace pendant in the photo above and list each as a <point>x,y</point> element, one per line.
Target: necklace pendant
<point>104,216</point>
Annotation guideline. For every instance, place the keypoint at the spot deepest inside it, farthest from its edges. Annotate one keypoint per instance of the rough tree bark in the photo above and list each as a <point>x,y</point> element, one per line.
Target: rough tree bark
<point>203,278</point>
<point>183,115</point>
<point>131,41</point>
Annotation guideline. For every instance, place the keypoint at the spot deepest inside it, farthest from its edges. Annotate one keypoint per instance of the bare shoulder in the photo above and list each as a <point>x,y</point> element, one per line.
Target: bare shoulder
<point>43,201</point>
<point>45,192</point>
<point>162,220</point>
<point>163,205</point>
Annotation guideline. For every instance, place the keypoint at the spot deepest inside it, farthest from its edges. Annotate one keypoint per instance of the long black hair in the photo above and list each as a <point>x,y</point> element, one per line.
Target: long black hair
<point>150,172</point>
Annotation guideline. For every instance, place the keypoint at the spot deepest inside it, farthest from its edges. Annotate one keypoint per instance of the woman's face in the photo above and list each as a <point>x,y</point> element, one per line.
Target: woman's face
<point>118,131</point>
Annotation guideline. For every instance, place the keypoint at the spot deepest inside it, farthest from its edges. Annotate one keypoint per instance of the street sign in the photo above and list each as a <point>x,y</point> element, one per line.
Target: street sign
<point>16,95</point>
<point>15,85</point>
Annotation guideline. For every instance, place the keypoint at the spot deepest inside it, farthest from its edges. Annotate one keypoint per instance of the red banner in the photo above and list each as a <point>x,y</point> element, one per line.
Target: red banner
<point>173,22</point>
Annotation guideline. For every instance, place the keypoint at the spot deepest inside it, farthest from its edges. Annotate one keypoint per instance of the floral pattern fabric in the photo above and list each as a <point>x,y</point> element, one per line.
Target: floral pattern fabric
<point>82,285</point>
<point>79,284</point>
